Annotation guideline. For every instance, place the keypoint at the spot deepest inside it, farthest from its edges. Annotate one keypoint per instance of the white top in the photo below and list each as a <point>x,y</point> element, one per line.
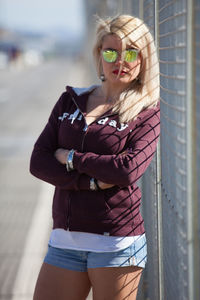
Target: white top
<point>84,241</point>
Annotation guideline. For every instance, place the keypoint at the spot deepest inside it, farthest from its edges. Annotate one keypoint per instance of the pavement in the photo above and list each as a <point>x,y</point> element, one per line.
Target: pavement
<point>27,97</point>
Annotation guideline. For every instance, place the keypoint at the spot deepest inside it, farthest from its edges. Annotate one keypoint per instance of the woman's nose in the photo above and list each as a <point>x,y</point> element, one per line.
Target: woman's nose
<point>119,59</point>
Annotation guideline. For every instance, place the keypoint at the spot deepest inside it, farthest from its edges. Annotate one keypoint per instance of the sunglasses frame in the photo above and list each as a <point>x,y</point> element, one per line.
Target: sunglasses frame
<point>136,50</point>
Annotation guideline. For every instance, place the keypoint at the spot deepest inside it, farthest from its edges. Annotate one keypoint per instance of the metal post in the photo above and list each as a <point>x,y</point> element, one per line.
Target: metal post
<point>120,6</point>
<point>141,5</point>
<point>192,199</point>
<point>158,180</point>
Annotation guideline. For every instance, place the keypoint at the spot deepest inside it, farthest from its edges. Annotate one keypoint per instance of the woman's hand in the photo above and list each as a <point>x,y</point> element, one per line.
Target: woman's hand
<point>104,185</point>
<point>61,155</point>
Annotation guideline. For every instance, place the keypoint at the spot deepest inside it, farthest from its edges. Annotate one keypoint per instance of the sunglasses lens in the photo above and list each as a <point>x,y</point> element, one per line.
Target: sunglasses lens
<point>110,55</point>
<point>131,55</point>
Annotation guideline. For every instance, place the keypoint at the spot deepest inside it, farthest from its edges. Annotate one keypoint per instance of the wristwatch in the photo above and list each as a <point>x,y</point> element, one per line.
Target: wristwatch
<point>93,185</point>
<point>69,161</point>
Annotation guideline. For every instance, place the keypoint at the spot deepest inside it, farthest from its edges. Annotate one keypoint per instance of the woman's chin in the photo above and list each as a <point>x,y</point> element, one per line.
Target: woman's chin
<point>121,80</point>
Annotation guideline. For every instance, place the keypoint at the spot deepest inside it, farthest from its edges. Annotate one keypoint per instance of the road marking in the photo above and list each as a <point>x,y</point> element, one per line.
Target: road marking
<point>35,246</point>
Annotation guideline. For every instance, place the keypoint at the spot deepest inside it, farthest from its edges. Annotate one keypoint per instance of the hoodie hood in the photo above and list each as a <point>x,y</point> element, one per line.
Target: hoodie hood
<point>76,91</point>
<point>80,91</point>
<point>79,95</point>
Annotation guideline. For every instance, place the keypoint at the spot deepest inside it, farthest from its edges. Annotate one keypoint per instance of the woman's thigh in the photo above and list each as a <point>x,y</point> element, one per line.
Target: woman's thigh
<point>116,283</point>
<point>61,284</point>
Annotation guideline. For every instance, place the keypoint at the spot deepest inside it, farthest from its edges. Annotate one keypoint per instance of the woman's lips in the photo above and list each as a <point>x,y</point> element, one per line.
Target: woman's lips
<point>117,72</point>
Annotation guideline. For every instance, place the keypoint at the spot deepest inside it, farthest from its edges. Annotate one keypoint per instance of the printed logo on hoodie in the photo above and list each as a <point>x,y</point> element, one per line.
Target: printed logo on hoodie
<point>78,115</point>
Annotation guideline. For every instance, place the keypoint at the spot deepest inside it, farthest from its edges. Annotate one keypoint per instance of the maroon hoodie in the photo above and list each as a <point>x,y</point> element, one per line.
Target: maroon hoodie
<point>114,153</point>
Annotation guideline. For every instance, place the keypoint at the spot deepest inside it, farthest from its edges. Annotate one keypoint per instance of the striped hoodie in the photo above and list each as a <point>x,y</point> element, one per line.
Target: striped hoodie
<point>107,150</point>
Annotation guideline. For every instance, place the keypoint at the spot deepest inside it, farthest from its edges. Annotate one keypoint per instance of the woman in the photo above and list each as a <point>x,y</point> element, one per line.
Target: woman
<point>97,143</point>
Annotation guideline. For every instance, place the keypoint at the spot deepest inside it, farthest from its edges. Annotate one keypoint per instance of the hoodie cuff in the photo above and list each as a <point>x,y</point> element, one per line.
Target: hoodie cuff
<point>76,160</point>
<point>84,182</point>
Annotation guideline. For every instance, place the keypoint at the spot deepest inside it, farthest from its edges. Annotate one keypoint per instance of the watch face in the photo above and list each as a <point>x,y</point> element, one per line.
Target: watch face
<point>92,184</point>
<point>70,159</point>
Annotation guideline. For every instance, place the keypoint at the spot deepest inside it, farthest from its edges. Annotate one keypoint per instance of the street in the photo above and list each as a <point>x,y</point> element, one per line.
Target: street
<point>27,97</point>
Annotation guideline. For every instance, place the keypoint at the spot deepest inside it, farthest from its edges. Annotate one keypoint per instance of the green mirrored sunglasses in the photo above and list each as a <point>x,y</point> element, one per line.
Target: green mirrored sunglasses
<point>110,55</point>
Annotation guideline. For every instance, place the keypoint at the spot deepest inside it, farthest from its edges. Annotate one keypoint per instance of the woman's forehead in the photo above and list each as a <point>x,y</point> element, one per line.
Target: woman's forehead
<point>114,41</point>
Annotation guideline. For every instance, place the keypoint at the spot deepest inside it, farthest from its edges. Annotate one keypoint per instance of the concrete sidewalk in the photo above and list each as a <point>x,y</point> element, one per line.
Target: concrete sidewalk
<point>27,98</point>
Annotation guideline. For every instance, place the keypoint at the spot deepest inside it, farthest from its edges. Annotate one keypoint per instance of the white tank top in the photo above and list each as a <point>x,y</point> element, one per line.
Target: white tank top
<point>84,241</point>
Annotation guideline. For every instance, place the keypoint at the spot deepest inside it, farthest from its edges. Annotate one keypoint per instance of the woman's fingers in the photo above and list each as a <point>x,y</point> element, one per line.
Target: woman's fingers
<point>104,185</point>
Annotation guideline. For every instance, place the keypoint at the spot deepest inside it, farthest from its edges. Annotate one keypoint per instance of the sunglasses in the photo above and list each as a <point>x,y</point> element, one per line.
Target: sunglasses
<point>111,55</point>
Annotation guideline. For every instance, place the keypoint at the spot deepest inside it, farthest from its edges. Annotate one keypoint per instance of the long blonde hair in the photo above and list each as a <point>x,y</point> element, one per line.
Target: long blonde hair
<point>144,91</point>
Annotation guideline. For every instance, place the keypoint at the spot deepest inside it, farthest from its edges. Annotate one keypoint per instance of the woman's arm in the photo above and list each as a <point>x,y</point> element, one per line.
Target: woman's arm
<point>61,156</point>
<point>44,164</point>
<point>123,169</point>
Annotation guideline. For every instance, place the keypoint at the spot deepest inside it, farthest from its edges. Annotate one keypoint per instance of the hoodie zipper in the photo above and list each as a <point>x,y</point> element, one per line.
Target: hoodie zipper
<point>85,133</point>
<point>86,126</point>
<point>85,129</point>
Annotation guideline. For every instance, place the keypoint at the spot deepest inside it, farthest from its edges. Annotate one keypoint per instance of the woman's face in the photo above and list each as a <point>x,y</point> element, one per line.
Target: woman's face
<point>129,70</point>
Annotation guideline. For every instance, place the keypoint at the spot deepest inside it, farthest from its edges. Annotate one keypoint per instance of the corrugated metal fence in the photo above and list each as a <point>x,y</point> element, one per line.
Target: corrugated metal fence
<point>171,193</point>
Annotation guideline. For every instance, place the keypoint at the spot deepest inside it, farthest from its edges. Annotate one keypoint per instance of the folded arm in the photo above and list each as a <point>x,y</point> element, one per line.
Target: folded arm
<point>44,164</point>
<point>122,169</point>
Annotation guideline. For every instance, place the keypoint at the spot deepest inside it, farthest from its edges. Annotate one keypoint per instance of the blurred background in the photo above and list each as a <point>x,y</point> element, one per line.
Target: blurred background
<point>46,45</point>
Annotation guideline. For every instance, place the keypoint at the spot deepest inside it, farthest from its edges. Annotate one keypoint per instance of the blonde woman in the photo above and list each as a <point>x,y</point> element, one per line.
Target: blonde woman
<point>97,143</point>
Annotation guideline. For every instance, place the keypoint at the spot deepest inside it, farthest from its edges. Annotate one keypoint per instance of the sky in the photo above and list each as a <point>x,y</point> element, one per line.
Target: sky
<point>43,15</point>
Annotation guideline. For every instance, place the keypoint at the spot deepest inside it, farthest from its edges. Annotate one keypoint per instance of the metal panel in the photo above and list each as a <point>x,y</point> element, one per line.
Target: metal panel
<point>149,209</point>
<point>197,92</point>
<point>197,97</point>
<point>173,37</point>
<point>196,133</point>
<point>149,189</point>
<point>149,14</point>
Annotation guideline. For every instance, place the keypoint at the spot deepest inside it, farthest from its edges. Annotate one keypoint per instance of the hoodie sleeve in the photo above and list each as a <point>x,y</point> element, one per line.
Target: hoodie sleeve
<point>126,168</point>
<point>45,166</point>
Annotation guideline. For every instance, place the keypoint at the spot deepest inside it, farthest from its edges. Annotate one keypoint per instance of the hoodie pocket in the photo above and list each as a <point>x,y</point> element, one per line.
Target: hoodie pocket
<point>89,205</point>
<point>117,201</point>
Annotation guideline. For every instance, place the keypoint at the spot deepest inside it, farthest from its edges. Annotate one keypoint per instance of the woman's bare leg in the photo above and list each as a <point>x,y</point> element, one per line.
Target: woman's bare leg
<point>61,284</point>
<point>116,283</point>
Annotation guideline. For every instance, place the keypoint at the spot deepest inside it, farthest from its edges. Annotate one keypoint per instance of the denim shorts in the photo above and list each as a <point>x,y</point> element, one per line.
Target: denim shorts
<point>75,260</point>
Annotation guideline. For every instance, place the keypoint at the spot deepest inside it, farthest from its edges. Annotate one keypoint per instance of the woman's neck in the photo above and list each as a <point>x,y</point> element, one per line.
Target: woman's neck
<point>107,94</point>
<point>110,93</point>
